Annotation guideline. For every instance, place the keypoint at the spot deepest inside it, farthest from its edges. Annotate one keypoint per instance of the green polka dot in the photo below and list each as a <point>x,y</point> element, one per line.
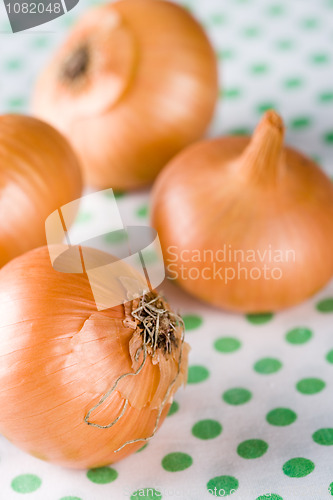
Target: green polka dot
<point>298,335</point>
<point>116,236</point>
<point>143,211</point>
<point>150,256</point>
<point>329,356</point>
<point>146,493</point>
<point>102,475</point>
<point>227,344</point>
<point>310,385</point>
<point>298,467</point>
<point>231,93</point>
<point>13,64</point>
<point>259,319</point>
<point>173,408</point>
<point>328,138</point>
<point>310,23</point>
<point>237,396</point>
<point>197,374</point>
<point>252,448</point>
<point>275,10</point>
<point>218,19</point>
<point>265,106</point>
<point>326,97</point>
<point>266,366</point>
<point>269,496</point>
<point>142,448</point>
<point>240,131</point>
<point>320,58</point>
<point>67,21</point>
<point>40,42</point>
<point>259,68</point>
<point>26,483</point>
<point>192,321</point>
<point>16,103</point>
<point>285,44</point>
<point>330,489</point>
<point>70,498</point>
<point>293,83</point>
<point>323,437</point>
<point>207,429</point>
<point>226,54</point>
<point>174,462</point>
<point>316,159</point>
<point>114,194</point>
<point>281,417</point>
<point>221,486</point>
<point>300,122</point>
<point>83,217</point>
<point>325,305</point>
<point>251,31</point>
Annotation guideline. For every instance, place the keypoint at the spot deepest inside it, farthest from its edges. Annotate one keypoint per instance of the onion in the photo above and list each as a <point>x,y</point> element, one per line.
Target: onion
<point>39,173</point>
<point>81,387</point>
<point>246,224</point>
<point>135,82</point>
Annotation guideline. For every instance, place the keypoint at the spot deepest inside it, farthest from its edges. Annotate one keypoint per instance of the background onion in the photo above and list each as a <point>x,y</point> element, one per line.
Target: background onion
<point>134,83</point>
<point>39,173</point>
<point>59,355</point>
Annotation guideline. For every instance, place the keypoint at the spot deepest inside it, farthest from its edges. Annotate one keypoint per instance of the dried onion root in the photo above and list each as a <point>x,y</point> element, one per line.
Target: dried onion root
<point>157,326</point>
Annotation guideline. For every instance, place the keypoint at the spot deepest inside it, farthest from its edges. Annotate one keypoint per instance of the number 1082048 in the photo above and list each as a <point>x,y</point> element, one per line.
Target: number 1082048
<point>33,8</point>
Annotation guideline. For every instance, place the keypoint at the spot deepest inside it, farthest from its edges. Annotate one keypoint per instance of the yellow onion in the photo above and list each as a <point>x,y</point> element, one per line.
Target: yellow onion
<point>135,82</point>
<point>39,173</point>
<point>83,387</point>
<point>246,224</point>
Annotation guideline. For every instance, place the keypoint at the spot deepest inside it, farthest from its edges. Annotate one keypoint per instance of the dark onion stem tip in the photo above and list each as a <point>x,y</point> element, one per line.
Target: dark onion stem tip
<point>77,64</point>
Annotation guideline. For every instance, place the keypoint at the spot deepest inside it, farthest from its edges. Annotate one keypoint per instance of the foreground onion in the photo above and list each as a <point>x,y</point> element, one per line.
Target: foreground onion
<point>246,225</point>
<point>59,356</point>
<point>135,82</point>
<point>39,173</point>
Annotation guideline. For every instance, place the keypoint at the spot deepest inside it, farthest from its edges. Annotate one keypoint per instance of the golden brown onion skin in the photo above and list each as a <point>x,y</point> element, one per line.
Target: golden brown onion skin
<point>149,89</point>
<point>225,192</point>
<point>39,172</point>
<point>58,356</point>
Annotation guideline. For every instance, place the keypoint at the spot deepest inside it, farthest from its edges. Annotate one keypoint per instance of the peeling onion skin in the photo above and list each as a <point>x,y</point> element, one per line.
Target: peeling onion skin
<point>39,172</point>
<point>249,193</point>
<point>149,89</point>
<point>58,356</point>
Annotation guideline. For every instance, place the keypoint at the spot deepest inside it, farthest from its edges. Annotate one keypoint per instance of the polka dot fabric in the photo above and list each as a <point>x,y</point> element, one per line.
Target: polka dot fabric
<point>255,420</point>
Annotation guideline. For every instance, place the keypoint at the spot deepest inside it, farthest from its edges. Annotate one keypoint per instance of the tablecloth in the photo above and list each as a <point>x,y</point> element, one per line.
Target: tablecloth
<point>256,418</point>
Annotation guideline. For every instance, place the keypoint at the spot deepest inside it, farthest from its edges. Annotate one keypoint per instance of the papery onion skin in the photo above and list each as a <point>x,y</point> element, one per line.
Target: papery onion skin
<point>227,194</point>
<point>39,172</point>
<point>59,355</point>
<point>150,89</point>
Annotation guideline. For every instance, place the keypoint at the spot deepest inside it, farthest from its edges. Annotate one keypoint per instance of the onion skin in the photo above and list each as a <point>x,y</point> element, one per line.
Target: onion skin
<point>59,356</point>
<point>149,89</point>
<point>39,173</point>
<point>250,194</point>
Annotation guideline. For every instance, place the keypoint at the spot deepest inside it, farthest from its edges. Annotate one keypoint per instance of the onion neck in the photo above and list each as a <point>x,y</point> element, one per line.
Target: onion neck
<point>99,63</point>
<point>262,159</point>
